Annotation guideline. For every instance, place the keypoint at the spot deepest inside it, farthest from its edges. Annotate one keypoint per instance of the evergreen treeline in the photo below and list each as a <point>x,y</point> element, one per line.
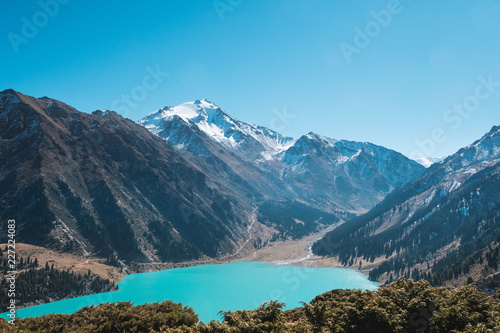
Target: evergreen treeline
<point>455,264</point>
<point>34,283</point>
<point>468,217</point>
<point>294,219</point>
<point>404,306</point>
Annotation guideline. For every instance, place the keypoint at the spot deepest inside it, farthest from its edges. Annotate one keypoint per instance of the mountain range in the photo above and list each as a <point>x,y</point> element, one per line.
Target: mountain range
<point>437,226</point>
<point>183,183</point>
<point>329,174</point>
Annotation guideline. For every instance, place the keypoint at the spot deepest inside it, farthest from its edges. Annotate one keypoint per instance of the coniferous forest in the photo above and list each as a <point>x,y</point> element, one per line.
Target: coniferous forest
<point>293,219</point>
<point>468,217</point>
<point>36,284</point>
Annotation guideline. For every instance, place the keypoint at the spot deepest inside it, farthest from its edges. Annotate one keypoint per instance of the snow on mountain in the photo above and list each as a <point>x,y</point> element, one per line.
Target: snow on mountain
<point>344,153</point>
<point>472,159</point>
<point>452,208</point>
<point>116,189</point>
<point>334,173</point>
<point>453,173</point>
<point>219,126</point>
<point>356,175</point>
<point>8,99</point>
<point>336,151</point>
<point>450,174</point>
<point>428,161</point>
<point>484,149</point>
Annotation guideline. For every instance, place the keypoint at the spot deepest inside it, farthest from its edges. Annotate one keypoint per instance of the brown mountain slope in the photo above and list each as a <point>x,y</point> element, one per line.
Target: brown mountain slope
<point>100,183</point>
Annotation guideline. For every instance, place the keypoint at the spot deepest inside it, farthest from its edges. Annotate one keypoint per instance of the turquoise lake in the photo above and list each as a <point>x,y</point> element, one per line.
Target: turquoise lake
<point>211,288</point>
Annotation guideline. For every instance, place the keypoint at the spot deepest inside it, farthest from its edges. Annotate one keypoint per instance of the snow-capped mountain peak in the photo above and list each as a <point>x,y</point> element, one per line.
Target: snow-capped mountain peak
<point>206,116</point>
<point>482,152</point>
<point>486,148</point>
<point>457,169</point>
<point>428,161</point>
<point>10,99</point>
<point>488,145</point>
<point>340,151</point>
<point>338,174</point>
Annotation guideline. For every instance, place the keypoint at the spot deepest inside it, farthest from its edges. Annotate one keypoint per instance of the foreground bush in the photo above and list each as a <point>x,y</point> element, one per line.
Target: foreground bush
<point>110,317</point>
<point>403,306</point>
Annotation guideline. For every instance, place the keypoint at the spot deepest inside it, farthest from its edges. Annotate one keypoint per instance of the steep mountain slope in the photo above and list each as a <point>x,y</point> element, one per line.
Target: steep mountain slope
<point>353,175</point>
<point>224,147</point>
<point>255,142</point>
<point>326,173</point>
<point>449,213</point>
<point>100,183</point>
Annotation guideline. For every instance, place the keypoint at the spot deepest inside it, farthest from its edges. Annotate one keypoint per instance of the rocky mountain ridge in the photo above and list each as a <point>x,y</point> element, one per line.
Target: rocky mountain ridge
<point>188,182</point>
<point>446,215</point>
<point>327,173</point>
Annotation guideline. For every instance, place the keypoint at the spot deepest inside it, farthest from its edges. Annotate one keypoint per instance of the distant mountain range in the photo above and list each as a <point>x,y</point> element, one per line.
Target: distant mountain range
<point>329,174</point>
<point>437,226</point>
<point>428,161</point>
<point>183,183</point>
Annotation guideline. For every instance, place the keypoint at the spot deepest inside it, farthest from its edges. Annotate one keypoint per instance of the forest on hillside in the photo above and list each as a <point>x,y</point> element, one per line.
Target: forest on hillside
<point>37,284</point>
<point>294,220</point>
<point>426,244</point>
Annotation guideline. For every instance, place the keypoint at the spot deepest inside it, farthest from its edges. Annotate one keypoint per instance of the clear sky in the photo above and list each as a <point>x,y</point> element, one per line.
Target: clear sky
<point>420,77</point>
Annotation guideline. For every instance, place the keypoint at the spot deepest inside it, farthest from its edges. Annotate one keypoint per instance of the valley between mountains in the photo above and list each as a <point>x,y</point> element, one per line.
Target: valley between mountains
<point>190,184</point>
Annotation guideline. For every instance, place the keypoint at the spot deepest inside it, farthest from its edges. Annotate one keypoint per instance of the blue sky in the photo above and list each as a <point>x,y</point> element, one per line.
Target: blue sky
<point>421,77</point>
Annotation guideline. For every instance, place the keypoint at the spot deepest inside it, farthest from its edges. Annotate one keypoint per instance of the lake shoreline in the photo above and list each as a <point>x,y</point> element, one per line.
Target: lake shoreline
<point>211,288</point>
<point>281,253</point>
<point>290,252</point>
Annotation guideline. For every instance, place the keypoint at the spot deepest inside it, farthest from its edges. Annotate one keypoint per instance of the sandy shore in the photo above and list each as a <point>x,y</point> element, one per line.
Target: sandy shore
<point>290,252</point>
<point>299,253</point>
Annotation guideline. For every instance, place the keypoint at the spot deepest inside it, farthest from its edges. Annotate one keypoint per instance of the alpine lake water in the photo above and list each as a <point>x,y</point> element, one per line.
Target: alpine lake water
<point>209,289</point>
